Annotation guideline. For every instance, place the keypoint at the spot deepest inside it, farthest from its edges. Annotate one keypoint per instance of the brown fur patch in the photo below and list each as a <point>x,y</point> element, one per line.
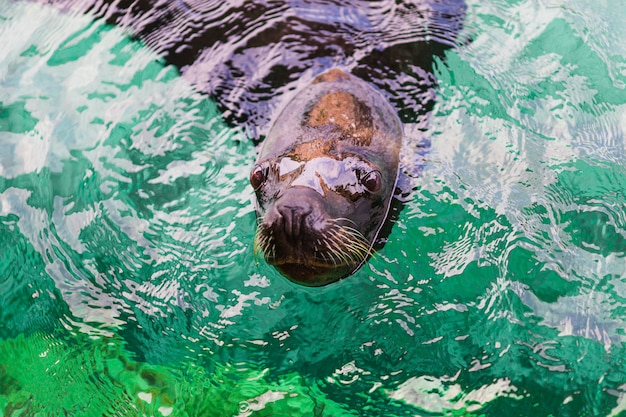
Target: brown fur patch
<point>310,150</point>
<point>346,112</point>
<point>330,76</point>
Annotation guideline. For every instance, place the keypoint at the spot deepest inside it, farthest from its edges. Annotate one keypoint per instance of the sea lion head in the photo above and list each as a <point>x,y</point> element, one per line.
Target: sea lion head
<point>318,217</point>
<point>324,181</point>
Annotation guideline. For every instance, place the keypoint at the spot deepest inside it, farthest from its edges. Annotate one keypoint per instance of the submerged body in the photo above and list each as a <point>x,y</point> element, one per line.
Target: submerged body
<point>324,179</point>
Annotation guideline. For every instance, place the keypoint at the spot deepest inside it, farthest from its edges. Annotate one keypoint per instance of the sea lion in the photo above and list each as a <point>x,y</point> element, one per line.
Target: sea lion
<point>324,179</point>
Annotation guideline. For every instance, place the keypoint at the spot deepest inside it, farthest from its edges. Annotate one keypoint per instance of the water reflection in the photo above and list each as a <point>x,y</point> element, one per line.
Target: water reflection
<point>125,212</point>
<point>250,56</point>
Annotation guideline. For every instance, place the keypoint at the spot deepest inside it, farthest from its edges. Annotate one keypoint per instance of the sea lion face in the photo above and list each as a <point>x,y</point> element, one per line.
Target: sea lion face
<point>323,185</point>
<point>318,217</point>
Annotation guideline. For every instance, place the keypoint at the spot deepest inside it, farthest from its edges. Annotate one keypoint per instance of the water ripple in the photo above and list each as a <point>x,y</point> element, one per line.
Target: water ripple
<point>249,55</point>
<point>126,213</point>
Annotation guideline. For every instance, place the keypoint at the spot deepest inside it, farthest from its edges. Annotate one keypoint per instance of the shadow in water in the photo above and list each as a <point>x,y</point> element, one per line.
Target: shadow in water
<point>250,57</point>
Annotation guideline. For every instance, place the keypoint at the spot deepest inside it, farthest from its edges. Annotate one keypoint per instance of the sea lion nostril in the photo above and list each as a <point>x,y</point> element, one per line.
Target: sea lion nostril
<point>294,219</point>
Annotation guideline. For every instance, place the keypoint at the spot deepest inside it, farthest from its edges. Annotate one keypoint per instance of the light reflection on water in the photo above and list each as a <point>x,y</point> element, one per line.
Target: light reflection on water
<point>127,219</point>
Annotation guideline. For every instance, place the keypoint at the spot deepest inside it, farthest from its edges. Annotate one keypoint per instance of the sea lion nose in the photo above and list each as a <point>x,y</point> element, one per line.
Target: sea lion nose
<point>294,217</point>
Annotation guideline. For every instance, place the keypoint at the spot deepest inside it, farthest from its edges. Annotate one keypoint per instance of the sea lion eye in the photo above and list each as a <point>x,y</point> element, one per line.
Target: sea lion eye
<point>258,175</point>
<point>372,181</point>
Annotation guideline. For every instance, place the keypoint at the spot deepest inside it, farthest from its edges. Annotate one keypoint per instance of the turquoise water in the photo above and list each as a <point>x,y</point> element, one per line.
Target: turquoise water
<point>128,275</point>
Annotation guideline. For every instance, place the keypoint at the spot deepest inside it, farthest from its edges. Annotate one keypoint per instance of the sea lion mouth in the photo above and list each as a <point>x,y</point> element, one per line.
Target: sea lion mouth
<point>313,275</point>
<point>315,258</point>
<point>308,262</point>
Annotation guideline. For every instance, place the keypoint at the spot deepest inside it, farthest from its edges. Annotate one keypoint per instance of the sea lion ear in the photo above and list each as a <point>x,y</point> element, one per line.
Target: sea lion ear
<point>258,176</point>
<point>372,181</point>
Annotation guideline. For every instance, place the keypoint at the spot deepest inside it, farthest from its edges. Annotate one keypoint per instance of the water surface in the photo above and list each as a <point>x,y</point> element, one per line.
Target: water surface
<point>126,220</point>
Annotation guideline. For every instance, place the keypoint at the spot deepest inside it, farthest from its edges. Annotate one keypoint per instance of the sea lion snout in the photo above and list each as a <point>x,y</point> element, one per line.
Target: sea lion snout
<point>294,217</point>
<point>303,238</point>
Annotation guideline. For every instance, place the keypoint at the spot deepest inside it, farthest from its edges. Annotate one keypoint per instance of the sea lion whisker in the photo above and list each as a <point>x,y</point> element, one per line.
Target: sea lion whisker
<point>326,259</point>
<point>256,250</point>
<point>335,248</point>
<point>351,254</point>
<point>343,254</point>
<point>354,232</point>
<point>260,242</point>
<point>344,250</point>
<point>360,247</point>
<point>360,242</point>
<point>342,219</point>
<point>332,256</point>
<point>357,247</point>
<point>341,227</point>
<point>357,238</point>
<point>348,233</point>
<point>356,251</point>
<point>322,249</point>
<point>366,248</point>
<point>255,254</point>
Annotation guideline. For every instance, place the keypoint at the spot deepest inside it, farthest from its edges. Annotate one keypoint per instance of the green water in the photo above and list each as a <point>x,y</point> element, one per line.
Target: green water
<point>129,284</point>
